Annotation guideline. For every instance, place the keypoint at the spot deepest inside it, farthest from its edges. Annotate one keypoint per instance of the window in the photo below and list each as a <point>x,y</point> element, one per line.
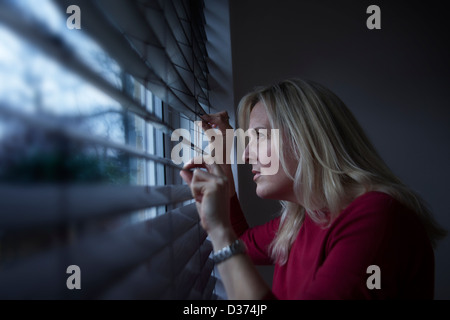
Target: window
<point>85,141</point>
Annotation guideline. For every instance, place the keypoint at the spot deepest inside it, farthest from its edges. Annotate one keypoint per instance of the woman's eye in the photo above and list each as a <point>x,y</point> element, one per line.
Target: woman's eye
<point>260,136</point>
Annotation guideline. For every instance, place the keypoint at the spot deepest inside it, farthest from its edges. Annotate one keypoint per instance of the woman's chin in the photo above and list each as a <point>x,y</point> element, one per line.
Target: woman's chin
<point>262,193</point>
<point>268,194</point>
<point>259,193</point>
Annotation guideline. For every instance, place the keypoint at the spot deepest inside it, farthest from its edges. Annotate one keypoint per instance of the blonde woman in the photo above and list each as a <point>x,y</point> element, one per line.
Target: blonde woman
<point>349,229</point>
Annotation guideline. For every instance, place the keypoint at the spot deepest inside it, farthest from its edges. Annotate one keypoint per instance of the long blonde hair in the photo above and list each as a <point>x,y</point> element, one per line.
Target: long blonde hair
<point>336,160</point>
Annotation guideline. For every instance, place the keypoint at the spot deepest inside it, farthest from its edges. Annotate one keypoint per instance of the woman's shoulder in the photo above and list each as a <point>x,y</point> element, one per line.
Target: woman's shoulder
<point>370,199</point>
<point>381,211</point>
<point>376,202</point>
<point>376,229</point>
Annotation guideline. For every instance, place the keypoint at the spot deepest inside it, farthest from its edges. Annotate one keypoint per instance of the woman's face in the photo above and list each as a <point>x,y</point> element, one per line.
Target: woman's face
<point>275,185</point>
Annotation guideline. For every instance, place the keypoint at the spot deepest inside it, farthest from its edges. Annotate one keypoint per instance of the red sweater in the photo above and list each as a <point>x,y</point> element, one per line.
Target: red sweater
<point>332,263</point>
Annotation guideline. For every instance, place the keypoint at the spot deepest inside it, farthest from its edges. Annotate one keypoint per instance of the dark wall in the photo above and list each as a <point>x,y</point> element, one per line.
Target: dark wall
<point>395,80</point>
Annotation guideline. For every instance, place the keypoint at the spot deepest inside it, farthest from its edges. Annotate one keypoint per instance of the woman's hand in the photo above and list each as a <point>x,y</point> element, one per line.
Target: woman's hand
<point>211,193</point>
<point>210,190</point>
<point>220,121</point>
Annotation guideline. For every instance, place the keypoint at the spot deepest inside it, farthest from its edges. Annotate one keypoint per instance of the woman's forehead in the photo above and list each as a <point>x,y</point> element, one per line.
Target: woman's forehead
<point>258,117</point>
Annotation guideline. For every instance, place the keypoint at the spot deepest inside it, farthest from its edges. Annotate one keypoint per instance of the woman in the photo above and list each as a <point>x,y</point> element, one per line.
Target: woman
<point>349,229</point>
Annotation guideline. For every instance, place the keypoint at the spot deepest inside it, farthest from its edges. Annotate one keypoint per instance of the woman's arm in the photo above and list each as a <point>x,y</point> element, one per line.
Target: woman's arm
<point>211,193</point>
<point>238,273</point>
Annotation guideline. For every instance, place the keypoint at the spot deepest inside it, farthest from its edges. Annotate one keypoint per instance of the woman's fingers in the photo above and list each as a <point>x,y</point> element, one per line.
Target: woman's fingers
<point>186,175</point>
<point>204,162</point>
<point>198,189</point>
<point>215,169</point>
<point>217,120</point>
<point>213,175</point>
<point>187,172</point>
<point>203,181</point>
<point>196,162</point>
<point>210,190</point>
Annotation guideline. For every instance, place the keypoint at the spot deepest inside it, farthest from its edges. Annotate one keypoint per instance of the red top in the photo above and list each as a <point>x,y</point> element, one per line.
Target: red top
<point>332,263</point>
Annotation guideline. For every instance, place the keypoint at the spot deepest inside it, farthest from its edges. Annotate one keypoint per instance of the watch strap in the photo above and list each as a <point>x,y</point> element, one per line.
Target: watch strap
<point>234,248</point>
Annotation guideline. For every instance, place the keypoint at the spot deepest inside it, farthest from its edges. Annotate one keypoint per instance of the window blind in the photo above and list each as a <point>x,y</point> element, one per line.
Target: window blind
<point>138,35</point>
<point>126,220</point>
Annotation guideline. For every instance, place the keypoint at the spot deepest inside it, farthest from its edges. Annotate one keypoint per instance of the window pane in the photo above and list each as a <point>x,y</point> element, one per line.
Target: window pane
<point>54,18</point>
<point>41,87</point>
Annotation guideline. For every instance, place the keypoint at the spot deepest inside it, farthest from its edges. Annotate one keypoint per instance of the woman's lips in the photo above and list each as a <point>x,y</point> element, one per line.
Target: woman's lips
<point>257,174</point>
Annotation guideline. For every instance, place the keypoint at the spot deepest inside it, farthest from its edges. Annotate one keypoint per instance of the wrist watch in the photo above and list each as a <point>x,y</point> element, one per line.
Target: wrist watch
<point>236,247</point>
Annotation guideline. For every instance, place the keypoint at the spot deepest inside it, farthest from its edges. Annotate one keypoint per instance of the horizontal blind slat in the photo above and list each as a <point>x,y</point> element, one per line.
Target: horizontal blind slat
<point>204,284</point>
<point>155,280</point>
<point>209,291</point>
<point>146,281</point>
<point>153,72</point>
<point>75,134</point>
<point>55,47</point>
<point>193,275</point>
<point>110,257</point>
<point>103,259</point>
<point>43,206</point>
<point>173,46</point>
<point>175,14</point>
